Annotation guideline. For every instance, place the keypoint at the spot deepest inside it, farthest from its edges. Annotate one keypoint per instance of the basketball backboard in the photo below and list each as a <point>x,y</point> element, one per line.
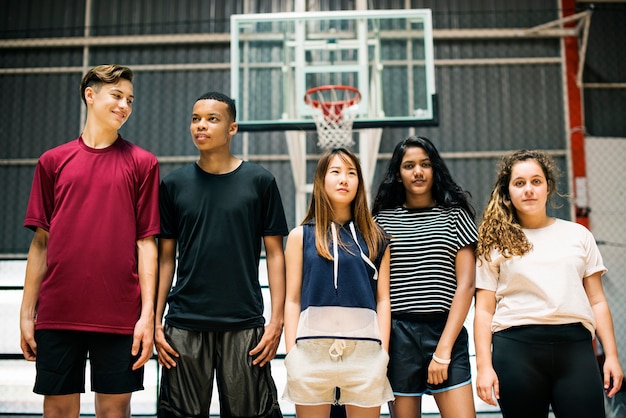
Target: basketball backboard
<point>386,54</point>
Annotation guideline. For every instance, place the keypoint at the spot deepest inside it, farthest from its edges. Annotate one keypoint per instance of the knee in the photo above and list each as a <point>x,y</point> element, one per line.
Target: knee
<point>61,406</point>
<point>113,406</point>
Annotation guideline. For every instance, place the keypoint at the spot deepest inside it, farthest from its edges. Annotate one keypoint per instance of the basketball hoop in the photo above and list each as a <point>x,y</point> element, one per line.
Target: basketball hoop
<point>334,109</point>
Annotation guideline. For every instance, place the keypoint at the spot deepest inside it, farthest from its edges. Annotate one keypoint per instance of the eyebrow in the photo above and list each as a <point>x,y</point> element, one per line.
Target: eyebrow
<point>534,176</point>
<point>349,167</point>
<point>207,114</point>
<point>120,91</point>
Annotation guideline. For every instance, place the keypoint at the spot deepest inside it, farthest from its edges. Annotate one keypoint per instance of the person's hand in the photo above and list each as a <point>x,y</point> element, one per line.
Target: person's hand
<point>266,349</point>
<point>143,338</point>
<point>487,385</point>
<point>437,372</point>
<point>613,376</point>
<point>27,339</point>
<point>165,352</point>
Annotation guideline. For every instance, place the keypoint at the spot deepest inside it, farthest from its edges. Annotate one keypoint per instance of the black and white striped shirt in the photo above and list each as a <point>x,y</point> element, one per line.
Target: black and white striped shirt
<point>424,244</point>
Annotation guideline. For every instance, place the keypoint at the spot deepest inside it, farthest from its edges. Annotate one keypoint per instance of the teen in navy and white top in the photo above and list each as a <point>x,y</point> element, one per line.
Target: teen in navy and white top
<point>337,314</point>
<point>430,221</point>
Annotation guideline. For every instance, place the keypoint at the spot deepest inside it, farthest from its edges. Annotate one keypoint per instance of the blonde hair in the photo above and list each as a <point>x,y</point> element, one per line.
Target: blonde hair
<point>321,210</point>
<point>499,228</point>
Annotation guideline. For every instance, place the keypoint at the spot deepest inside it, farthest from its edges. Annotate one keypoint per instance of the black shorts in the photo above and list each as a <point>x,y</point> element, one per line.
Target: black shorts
<point>413,342</point>
<point>62,357</point>
<point>244,390</point>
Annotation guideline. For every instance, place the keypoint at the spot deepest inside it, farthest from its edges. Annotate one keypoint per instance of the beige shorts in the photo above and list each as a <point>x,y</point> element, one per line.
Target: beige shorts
<point>358,368</point>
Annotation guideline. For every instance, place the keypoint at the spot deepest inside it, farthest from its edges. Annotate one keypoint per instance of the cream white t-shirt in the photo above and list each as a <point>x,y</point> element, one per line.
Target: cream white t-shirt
<point>545,286</point>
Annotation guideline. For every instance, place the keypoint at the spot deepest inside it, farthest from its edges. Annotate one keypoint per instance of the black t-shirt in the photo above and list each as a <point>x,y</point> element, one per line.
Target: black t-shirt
<point>219,222</point>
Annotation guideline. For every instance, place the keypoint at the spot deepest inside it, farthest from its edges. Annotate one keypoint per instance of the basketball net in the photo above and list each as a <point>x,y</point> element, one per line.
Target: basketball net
<point>333,109</point>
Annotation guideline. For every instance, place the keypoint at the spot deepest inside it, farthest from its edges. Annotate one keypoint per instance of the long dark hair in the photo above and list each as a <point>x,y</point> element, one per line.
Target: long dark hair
<point>445,191</point>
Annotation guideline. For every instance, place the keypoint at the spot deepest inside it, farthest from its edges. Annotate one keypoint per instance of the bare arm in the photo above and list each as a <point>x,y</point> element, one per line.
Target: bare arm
<point>36,267</point>
<point>275,257</point>
<point>167,268</point>
<point>143,337</point>
<point>487,384</point>
<point>293,257</point>
<point>383,302</point>
<point>465,288</point>
<point>613,374</point>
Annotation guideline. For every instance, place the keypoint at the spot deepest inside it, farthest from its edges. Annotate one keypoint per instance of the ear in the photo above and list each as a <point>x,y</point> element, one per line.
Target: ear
<point>232,130</point>
<point>89,95</point>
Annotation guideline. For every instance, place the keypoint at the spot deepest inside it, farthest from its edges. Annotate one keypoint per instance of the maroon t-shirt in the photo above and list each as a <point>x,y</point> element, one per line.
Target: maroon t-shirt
<point>95,204</point>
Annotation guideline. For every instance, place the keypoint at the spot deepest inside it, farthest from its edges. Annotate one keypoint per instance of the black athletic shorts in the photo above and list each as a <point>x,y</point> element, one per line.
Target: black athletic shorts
<point>245,390</point>
<point>62,357</point>
<point>414,339</point>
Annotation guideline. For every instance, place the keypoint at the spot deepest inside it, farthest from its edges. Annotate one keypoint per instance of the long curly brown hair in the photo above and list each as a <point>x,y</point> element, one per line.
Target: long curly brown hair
<point>499,227</point>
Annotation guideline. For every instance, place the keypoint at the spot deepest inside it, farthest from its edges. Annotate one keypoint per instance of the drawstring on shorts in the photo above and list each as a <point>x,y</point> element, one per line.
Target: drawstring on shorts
<point>336,349</point>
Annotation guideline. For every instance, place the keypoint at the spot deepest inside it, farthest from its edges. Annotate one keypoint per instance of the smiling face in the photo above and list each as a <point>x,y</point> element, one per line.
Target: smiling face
<point>211,125</point>
<point>111,104</point>
<point>528,190</point>
<point>416,174</point>
<point>341,181</point>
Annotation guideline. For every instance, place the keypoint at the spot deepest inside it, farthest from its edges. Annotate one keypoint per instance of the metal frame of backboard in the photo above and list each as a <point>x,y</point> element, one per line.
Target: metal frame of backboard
<point>300,35</point>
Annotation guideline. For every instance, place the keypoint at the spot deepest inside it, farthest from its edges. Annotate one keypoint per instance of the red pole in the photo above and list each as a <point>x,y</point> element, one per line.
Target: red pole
<point>576,124</point>
<point>576,118</point>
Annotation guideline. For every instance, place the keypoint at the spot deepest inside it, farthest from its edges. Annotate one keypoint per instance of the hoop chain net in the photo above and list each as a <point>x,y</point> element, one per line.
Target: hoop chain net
<point>334,116</point>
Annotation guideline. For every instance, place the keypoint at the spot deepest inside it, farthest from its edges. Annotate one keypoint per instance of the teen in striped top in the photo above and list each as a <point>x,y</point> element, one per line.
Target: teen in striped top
<point>430,221</point>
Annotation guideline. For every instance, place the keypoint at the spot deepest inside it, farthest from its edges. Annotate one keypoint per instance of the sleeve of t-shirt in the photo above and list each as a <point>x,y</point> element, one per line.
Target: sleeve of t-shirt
<point>466,229</point>
<point>148,217</point>
<point>487,273</point>
<point>274,221</point>
<point>41,201</point>
<point>168,226</point>
<point>593,257</point>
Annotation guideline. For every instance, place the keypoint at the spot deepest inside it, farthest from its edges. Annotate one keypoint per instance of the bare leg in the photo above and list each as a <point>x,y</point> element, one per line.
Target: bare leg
<point>60,406</point>
<point>406,407</point>
<point>313,411</point>
<point>456,403</point>
<point>113,406</point>
<point>359,412</point>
